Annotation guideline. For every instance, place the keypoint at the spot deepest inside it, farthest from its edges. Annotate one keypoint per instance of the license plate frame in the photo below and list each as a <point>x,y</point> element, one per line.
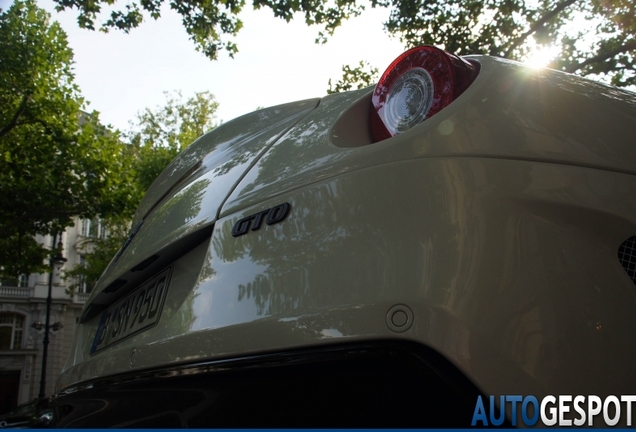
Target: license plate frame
<point>134,313</point>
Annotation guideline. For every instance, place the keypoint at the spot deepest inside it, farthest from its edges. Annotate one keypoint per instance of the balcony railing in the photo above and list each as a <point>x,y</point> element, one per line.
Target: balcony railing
<point>15,292</point>
<point>80,297</point>
<point>28,292</point>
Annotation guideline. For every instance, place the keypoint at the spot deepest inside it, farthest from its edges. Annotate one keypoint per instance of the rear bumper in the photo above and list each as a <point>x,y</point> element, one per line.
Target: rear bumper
<point>376,384</point>
<point>509,269</point>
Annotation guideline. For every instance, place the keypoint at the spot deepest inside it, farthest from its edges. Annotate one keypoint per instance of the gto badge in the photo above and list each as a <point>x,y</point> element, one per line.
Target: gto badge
<point>272,215</point>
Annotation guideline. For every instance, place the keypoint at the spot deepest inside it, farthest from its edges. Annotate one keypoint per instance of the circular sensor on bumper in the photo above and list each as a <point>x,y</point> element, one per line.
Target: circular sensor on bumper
<point>399,318</point>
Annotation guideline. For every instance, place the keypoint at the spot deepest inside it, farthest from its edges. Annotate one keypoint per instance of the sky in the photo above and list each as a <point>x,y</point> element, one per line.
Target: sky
<point>121,74</point>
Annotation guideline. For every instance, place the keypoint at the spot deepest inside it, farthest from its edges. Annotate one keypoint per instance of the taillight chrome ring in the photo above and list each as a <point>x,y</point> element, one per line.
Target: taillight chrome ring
<point>409,101</point>
<point>417,85</point>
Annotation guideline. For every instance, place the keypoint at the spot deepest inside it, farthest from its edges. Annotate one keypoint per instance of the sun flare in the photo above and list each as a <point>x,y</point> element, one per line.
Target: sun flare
<point>541,56</point>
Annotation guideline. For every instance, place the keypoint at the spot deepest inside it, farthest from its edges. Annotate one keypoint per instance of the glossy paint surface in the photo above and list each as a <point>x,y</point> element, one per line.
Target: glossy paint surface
<point>188,195</point>
<point>509,112</point>
<point>125,355</point>
<point>510,268</point>
<point>496,223</point>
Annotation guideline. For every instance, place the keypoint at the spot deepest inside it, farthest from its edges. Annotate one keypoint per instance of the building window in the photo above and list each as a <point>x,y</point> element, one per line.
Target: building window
<point>102,230</point>
<point>21,281</point>
<point>11,329</point>
<point>92,228</point>
<point>82,284</point>
<point>85,228</point>
<point>81,280</point>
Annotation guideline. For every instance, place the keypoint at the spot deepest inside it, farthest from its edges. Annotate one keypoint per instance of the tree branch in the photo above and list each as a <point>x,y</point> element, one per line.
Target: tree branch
<point>628,46</point>
<point>34,121</point>
<point>10,222</point>
<point>14,121</point>
<point>537,25</point>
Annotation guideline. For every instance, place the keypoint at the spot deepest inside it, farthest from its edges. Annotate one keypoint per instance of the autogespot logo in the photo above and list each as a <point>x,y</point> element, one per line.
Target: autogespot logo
<point>562,410</point>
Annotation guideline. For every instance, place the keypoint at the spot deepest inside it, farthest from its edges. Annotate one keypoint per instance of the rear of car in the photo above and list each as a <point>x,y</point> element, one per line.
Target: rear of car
<point>297,268</point>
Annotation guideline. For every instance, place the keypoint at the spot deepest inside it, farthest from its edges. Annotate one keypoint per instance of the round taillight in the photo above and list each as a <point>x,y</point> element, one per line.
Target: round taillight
<point>417,85</point>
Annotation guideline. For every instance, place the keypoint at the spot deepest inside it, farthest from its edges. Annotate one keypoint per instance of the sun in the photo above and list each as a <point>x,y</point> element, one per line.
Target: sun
<point>541,56</point>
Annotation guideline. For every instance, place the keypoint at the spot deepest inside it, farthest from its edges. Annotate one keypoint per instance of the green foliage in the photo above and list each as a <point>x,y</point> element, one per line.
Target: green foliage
<point>593,37</point>
<point>158,135</point>
<point>154,140</point>
<point>208,21</point>
<point>606,46</point>
<point>27,249</point>
<point>359,77</point>
<point>56,162</point>
<point>99,251</point>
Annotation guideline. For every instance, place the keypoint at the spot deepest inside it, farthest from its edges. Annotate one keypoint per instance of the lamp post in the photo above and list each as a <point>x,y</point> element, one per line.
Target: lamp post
<point>57,259</point>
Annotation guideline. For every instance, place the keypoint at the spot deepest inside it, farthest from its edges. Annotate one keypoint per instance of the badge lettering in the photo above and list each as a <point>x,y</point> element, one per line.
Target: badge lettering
<point>271,216</point>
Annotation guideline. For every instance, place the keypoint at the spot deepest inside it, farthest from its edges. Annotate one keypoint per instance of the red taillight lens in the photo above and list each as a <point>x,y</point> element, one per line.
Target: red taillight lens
<point>416,86</point>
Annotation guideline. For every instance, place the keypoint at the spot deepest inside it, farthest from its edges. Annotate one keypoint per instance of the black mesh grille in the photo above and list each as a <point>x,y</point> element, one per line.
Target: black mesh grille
<point>627,257</point>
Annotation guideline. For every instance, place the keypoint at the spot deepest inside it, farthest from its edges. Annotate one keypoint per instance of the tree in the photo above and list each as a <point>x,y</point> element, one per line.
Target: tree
<point>359,77</point>
<point>208,21</point>
<point>98,252</point>
<point>153,141</point>
<point>56,161</point>
<point>158,135</point>
<point>594,37</point>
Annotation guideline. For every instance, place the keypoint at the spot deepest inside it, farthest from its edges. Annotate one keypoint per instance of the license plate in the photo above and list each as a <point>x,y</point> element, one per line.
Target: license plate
<point>133,314</point>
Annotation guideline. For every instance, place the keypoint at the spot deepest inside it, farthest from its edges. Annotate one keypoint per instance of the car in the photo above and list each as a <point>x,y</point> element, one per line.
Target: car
<point>410,254</point>
<point>29,414</point>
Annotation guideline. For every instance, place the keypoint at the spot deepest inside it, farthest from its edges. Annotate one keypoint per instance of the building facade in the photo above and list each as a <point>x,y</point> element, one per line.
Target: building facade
<point>23,313</point>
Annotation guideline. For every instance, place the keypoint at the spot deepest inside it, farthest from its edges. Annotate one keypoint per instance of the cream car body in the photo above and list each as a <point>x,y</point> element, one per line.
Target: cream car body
<point>488,234</point>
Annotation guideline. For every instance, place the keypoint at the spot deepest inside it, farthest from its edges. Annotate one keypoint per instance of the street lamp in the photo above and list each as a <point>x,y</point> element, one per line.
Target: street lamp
<point>38,325</point>
<point>57,259</point>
